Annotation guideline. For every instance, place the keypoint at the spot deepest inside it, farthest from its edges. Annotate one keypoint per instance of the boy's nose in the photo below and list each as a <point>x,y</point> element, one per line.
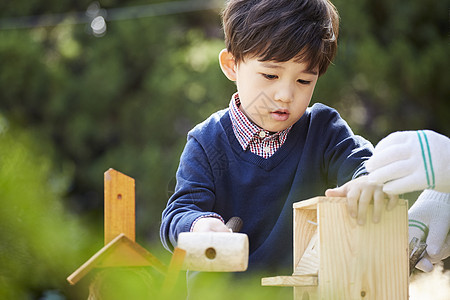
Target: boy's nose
<point>284,93</point>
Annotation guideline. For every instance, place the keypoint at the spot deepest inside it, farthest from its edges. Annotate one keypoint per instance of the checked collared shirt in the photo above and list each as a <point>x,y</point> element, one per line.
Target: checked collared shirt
<point>250,136</point>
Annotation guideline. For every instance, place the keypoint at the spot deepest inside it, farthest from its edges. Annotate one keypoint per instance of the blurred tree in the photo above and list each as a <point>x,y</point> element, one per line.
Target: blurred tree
<point>391,71</point>
<point>125,100</point>
<point>41,242</point>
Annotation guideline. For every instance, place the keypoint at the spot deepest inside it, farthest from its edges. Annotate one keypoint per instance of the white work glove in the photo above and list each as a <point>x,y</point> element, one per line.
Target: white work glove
<point>407,161</point>
<point>429,221</point>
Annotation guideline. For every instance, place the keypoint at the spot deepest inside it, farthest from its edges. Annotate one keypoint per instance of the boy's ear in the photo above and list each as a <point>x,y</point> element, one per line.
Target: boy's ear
<point>227,64</point>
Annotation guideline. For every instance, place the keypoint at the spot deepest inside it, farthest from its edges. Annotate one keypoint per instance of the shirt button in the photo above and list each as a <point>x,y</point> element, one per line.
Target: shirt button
<point>266,149</point>
<point>262,134</point>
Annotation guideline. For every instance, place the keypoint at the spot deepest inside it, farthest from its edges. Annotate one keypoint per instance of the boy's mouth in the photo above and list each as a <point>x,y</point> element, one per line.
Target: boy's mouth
<point>280,114</point>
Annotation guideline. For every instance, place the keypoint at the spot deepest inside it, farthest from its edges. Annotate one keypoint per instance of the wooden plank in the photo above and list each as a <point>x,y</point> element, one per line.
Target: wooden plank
<point>305,221</point>
<point>91,263</point>
<point>362,262</point>
<point>306,293</point>
<point>172,273</point>
<point>120,252</point>
<point>309,263</point>
<point>312,203</point>
<point>305,224</point>
<point>307,204</point>
<point>126,253</point>
<point>289,281</point>
<point>119,205</point>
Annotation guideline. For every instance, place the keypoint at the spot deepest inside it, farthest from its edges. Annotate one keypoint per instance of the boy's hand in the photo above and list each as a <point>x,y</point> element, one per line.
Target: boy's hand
<point>209,224</point>
<point>359,193</point>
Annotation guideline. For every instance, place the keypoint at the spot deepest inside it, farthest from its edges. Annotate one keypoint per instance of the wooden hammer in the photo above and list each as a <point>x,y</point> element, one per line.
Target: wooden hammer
<point>215,251</point>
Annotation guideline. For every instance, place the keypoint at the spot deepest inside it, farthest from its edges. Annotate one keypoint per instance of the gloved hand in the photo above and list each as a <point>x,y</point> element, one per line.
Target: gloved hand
<point>429,220</point>
<point>407,161</point>
<point>359,193</point>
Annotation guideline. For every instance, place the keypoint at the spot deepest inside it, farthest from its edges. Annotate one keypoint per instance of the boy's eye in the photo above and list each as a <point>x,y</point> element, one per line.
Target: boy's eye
<point>301,81</point>
<point>270,77</point>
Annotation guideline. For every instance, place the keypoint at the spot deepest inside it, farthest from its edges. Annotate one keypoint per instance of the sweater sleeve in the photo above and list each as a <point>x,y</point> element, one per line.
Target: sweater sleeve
<point>345,152</point>
<point>194,195</point>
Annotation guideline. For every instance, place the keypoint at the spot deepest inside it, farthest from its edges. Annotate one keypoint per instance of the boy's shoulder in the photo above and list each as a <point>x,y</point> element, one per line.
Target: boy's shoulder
<point>321,119</point>
<point>321,109</point>
<point>319,112</point>
<point>211,126</point>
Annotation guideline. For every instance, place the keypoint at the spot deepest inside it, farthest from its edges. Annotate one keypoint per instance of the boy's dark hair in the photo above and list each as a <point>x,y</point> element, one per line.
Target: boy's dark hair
<point>281,30</point>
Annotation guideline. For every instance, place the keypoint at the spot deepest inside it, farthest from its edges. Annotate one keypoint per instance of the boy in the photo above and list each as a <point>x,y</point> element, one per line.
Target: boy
<point>268,149</point>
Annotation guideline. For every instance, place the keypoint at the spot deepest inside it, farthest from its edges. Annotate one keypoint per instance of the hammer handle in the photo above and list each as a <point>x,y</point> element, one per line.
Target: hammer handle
<point>235,224</point>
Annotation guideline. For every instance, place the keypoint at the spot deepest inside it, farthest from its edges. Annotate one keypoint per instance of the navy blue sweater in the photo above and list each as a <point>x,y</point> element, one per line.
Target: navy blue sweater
<point>216,175</point>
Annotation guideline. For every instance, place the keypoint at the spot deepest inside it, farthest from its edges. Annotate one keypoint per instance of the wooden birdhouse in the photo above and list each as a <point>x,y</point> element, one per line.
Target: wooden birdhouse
<point>335,258</point>
<point>121,249</point>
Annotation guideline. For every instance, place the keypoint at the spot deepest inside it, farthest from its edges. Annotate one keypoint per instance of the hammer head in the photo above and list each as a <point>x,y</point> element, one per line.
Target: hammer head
<point>214,251</point>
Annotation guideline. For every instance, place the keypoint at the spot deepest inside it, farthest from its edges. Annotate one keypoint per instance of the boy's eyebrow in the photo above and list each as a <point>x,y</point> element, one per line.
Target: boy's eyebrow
<point>312,72</point>
<point>275,66</point>
<point>272,66</point>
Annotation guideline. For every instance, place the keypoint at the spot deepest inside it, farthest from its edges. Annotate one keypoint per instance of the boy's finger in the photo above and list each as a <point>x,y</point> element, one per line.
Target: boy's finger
<point>378,204</point>
<point>219,227</point>
<point>393,200</point>
<point>336,192</point>
<point>352,203</point>
<point>364,201</point>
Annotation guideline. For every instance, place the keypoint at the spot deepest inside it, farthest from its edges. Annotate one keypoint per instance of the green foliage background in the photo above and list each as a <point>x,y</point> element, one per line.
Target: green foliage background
<point>73,105</point>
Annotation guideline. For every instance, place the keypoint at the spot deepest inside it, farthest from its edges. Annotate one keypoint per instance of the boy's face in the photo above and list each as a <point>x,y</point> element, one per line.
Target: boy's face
<point>274,95</point>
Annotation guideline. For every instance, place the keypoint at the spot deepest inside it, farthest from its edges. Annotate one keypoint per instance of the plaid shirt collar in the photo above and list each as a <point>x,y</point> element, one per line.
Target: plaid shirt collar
<point>250,135</point>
